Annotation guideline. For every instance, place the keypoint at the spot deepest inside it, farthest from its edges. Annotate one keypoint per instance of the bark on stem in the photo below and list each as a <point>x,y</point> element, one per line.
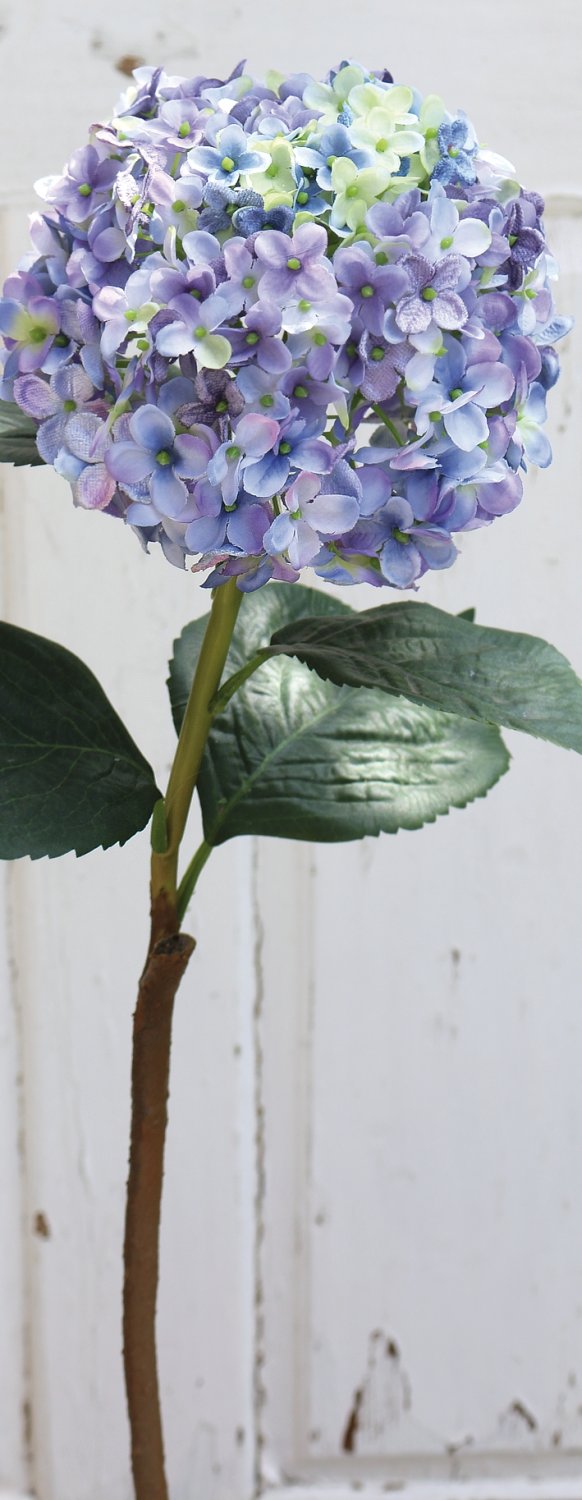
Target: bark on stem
<point>167,959</point>
<point>152,1031</point>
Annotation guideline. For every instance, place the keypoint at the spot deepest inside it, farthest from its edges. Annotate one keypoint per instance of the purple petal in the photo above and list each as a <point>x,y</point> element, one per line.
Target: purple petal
<point>467,426</point>
<point>152,428</point>
<point>169,493</point>
<point>333,514</point>
<point>448,310</point>
<point>128,463</point>
<point>35,397</point>
<point>493,383</point>
<point>256,434</point>
<point>95,488</point>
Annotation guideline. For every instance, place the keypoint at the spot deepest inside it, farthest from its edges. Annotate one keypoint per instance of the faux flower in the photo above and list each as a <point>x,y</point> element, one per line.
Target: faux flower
<point>285,325</point>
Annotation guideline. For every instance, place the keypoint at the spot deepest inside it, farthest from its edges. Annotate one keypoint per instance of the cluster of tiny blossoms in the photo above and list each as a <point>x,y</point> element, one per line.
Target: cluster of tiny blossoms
<point>288,324</point>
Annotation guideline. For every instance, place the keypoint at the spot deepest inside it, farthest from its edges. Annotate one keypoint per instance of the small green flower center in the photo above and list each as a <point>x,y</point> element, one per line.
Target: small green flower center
<point>227,164</point>
<point>513,239</point>
<point>447,242</point>
<point>454,394</point>
<point>428,294</point>
<point>130,314</point>
<point>179,205</point>
<point>435,416</point>
<point>61,341</point>
<point>367,290</point>
<point>377,354</point>
<point>221,406</point>
<point>302,197</point>
<point>300,392</point>
<point>431,133</point>
<point>183,129</point>
<point>303,305</point>
<point>293,264</point>
<point>37,334</point>
<point>85,189</point>
<point>381,258</point>
<point>200,332</point>
<point>248,281</point>
<point>267,400</point>
<point>319,339</point>
<point>284,448</point>
<point>295,515</point>
<point>271,170</point>
<point>143,344</point>
<point>252,338</point>
<point>353,190</point>
<point>232,453</point>
<point>352,350</point>
<point>453,150</point>
<point>382,144</point>
<point>69,405</point>
<point>401,536</point>
<point>163,458</point>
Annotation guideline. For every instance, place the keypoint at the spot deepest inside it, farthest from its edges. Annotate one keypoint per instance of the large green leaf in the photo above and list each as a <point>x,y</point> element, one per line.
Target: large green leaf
<point>446,662</point>
<point>71,777</point>
<point>295,757</point>
<point>17,436</point>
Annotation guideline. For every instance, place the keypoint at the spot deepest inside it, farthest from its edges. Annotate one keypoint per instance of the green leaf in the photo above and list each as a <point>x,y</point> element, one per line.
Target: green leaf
<point>444,661</point>
<point>71,777</point>
<point>295,757</point>
<point>17,436</point>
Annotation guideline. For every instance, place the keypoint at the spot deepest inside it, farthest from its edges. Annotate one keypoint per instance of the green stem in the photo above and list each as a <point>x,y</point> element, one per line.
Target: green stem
<point>168,955</point>
<point>189,879</point>
<point>193,735</point>
<point>387,423</point>
<point>232,684</point>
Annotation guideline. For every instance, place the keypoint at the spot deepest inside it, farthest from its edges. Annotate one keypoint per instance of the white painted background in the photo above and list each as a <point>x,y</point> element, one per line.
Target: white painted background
<point>375,1148</point>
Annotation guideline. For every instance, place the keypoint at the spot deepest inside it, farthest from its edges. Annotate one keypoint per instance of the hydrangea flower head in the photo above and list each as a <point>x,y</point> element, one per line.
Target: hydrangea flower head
<point>287,325</point>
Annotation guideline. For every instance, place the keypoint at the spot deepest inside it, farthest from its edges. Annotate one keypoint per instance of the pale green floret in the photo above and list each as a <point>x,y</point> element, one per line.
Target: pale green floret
<point>329,98</point>
<point>356,191</point>
<point>275,181</point>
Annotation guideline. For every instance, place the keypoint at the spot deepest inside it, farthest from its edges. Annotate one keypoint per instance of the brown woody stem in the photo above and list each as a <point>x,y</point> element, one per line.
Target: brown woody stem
<point>166,962</point>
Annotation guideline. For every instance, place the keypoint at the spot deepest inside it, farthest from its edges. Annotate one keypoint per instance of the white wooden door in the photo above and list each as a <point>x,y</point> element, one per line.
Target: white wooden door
<point>372,1240</point>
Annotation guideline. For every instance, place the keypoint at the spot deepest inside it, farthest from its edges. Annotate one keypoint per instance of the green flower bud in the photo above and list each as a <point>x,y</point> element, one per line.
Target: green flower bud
<point>233,453</point>
<point>227,164</point>
<point>293,263</point>
<point>85,190</point>
<point>428,294</point>
<point>163,458</point>
<point>367,290</point>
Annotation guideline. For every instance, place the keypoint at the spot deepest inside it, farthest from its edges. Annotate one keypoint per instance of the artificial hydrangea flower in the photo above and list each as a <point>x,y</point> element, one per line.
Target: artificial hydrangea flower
<point>287,325</point>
